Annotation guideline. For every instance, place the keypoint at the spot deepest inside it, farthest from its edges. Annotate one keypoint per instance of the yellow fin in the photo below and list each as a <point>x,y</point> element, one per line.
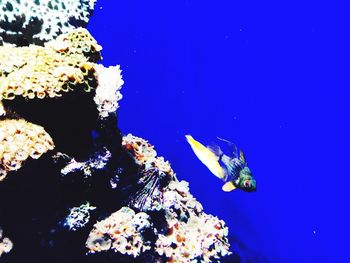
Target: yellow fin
<point>228,187</point>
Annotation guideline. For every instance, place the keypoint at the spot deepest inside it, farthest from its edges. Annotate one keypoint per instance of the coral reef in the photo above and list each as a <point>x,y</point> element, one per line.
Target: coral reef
<point>180,232</point>
<point>94,195</point>
<point>38,21</point>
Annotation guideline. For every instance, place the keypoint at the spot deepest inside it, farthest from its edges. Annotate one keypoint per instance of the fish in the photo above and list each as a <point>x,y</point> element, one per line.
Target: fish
<point>234,171</point>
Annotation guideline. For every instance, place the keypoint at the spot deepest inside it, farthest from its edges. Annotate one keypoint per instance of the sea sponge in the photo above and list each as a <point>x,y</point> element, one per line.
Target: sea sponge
<point>41,72</point>
<point>122,232</point>
<point>20,140</point>
<point>38,21</point>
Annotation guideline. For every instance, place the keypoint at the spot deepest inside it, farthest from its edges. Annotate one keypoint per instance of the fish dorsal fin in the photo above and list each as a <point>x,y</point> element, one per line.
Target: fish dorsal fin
<point>228,187</point>
<point>242,156</point>
<point>231,146</point>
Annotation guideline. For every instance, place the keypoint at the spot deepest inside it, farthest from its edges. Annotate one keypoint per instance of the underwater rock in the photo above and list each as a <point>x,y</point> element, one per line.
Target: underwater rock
<point>24,22</point>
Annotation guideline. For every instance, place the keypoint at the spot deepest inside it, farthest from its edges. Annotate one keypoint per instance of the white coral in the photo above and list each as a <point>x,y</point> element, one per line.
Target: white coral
<point>108,90</point>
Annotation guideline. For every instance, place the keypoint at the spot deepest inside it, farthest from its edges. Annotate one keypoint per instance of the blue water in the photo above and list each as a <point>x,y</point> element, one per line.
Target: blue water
<point>272,76</point>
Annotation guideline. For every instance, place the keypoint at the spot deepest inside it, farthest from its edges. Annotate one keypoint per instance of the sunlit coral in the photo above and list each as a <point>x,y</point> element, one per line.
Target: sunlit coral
<point>122,232</point>
<point>59,67</point>
<point>20,140</point>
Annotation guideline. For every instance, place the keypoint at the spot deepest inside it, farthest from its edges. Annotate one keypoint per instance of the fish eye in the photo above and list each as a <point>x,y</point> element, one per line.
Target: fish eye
<point>247,184</point>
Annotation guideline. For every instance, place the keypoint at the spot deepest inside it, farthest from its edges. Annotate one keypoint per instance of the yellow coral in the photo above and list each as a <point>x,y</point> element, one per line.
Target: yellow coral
<point>20,140</point>
<point>59,66</point>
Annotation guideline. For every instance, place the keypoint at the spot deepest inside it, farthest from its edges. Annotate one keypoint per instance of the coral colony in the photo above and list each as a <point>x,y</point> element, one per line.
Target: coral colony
<point>72,187</point>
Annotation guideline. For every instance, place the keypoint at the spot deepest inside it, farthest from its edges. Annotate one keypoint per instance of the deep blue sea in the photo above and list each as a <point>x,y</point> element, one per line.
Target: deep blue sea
<point>271,76</point>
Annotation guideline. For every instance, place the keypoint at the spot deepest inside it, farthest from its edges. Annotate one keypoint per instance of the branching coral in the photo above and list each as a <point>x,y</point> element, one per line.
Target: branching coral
<point>122,232</point>
<point>5,244</point>
<point>38,21</point>
<point>39,72</point>
<point>20,140</point>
